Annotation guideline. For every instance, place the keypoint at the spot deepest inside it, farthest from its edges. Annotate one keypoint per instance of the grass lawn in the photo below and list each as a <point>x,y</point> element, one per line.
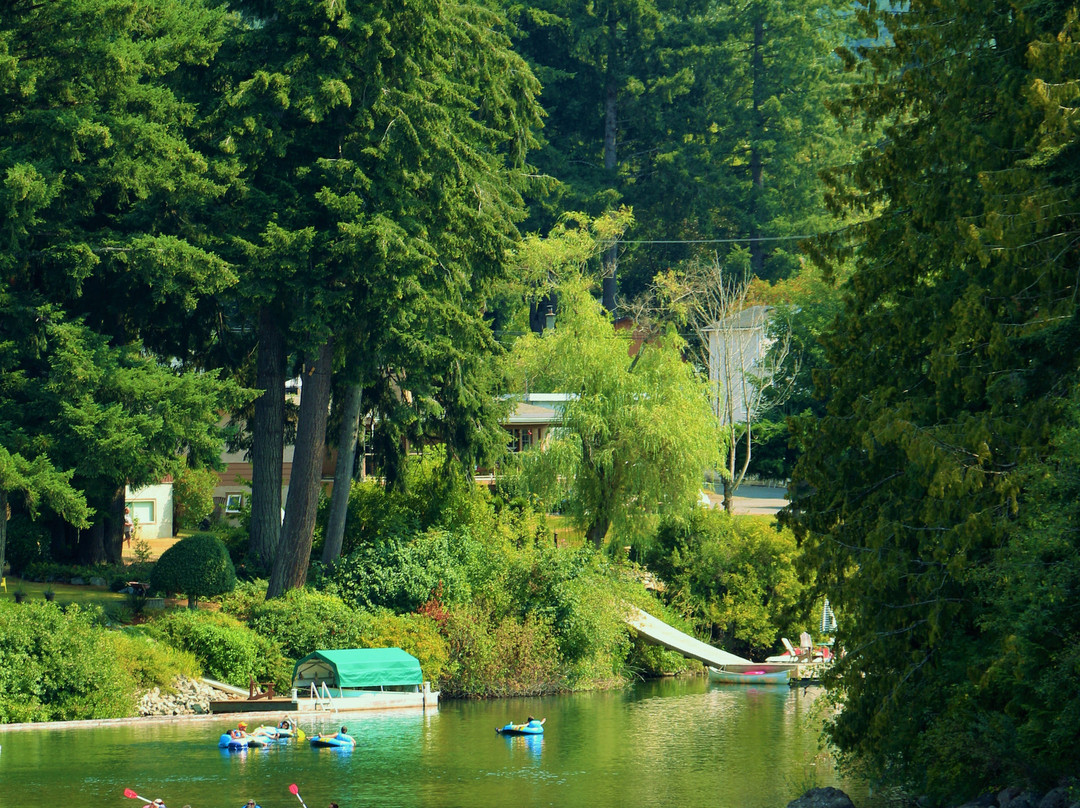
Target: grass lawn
<point>65,593</point>
<point>569,535</point>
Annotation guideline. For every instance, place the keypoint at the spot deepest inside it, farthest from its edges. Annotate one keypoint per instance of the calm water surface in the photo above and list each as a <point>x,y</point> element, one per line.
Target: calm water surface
<point>677,743</point>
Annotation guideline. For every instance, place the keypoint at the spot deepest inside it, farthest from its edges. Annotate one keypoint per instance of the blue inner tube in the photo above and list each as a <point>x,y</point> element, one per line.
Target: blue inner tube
<point>333,740</point>
<point>226,741</point>
<point>531,728</point>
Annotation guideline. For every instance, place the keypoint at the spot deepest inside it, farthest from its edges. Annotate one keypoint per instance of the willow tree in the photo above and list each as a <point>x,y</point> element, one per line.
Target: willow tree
<point>951,368</point>
<point>636,435</point>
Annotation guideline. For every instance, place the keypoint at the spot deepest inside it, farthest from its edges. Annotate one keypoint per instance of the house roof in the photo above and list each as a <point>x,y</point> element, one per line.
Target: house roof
<point>360,667</point>
<point>532,414</point>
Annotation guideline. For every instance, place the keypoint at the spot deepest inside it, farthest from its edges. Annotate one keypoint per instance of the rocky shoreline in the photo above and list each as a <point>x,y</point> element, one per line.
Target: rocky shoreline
<point>1067,795</point>
<point>190,697</point>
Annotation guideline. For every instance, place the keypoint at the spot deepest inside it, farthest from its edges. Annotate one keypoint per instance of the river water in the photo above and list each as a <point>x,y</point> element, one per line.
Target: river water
<point>678,743</point>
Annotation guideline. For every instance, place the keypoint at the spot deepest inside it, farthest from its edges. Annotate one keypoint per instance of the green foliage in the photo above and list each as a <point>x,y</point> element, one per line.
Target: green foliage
<point>638,435</point>
<point>734,577</point>
<point>950,371</point>
<point>401,575</point>
<point>242,601</point>
<point>52,572</point>
<point>417,634</point>
<point>226,649</point>
<point>198,566</point>
<point>27,544</point>
<point>492,657</point>
<point>304,620</point>
<point>58,666</point>
<point>148,662</point>
<point>193,496</point>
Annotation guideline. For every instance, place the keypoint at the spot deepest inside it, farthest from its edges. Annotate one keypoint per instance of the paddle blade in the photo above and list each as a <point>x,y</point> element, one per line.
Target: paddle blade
<point>131,795</point>
<point>294,790</point>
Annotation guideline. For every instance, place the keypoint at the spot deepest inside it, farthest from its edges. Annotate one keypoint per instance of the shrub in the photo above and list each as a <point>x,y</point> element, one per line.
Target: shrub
<point>304,620</point>
<point>198,566</point>
<point>51,572</point>
<point>495,658</point>
<point>59,666</point>
<point>193,496</point>
<point>735,576</point>
<point>400,574</point>
<point>417,634</point>
<point>244,599</point>
<point>149,662</point>
<point>226,649</point>
<point>27,543</point>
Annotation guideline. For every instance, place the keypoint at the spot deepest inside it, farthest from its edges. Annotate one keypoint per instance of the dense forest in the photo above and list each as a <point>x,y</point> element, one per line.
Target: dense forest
<point>201,201</point>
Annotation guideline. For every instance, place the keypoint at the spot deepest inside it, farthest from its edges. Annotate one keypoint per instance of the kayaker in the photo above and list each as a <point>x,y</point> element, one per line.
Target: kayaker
<point>251,804</point>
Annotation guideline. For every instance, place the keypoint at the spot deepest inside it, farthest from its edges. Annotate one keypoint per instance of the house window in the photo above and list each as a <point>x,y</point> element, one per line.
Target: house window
<point>520,439</point>
<point>142,511</point>
<point>233,503</point>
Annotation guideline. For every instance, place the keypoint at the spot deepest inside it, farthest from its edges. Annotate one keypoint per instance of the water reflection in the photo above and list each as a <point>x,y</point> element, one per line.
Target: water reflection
<point>670,742</point>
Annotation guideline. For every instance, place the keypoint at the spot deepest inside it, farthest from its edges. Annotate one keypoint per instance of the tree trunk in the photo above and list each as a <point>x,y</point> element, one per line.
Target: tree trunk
<point>294,549</point>
<point>3,529</point>
<point>343,473</point>
<point>611,257</point>
<point>757,178</point>
<point>268,445</point>
<point>92,543</point>
<point>114,532</point>
<point>597,531</point>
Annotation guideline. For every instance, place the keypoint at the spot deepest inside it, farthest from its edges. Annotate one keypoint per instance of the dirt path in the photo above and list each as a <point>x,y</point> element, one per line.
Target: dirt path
<point>157,547</point>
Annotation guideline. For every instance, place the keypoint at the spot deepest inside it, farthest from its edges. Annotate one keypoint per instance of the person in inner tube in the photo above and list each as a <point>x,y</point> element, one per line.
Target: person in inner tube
<point>344,735</point>
<point>240,732</point>
<point>285,723</point>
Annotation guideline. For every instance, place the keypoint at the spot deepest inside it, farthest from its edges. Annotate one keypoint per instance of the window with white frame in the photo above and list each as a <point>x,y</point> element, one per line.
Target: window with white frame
<point>233,503</point>
<point>143,511</point>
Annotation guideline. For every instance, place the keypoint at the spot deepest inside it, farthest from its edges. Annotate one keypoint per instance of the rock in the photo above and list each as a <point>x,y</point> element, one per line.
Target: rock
<point>1025,799</point>
<point>985,801</point>
<point>191,698</point>
<point>823,798</point>
<point>98,581</point>
<point>78,582</point>
<point>1056,798</point>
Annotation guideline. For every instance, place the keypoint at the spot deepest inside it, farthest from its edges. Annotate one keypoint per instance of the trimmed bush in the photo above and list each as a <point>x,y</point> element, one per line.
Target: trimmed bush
<point>59,666</point>
<point>227,650</point>
<point>198,566</point>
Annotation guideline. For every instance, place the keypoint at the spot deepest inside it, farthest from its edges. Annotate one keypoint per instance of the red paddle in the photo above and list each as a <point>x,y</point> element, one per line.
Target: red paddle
<point>131,795</point>
<point>296,792</point>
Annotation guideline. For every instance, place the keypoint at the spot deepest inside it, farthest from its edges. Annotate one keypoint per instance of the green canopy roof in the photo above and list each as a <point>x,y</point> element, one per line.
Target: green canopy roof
<point>359,667</point>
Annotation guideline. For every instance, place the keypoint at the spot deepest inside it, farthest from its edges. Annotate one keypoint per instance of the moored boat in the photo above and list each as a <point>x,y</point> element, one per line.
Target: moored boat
<point>752,677</point>
<point>530,727</point>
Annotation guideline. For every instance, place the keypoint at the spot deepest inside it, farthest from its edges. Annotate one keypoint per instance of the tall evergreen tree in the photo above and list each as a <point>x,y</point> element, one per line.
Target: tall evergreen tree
<point>952,365</point>
<point>95,248</point>
<point>382,146</point>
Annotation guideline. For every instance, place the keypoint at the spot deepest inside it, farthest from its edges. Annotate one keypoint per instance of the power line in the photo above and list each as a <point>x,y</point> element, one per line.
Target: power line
<point>717,240</point>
